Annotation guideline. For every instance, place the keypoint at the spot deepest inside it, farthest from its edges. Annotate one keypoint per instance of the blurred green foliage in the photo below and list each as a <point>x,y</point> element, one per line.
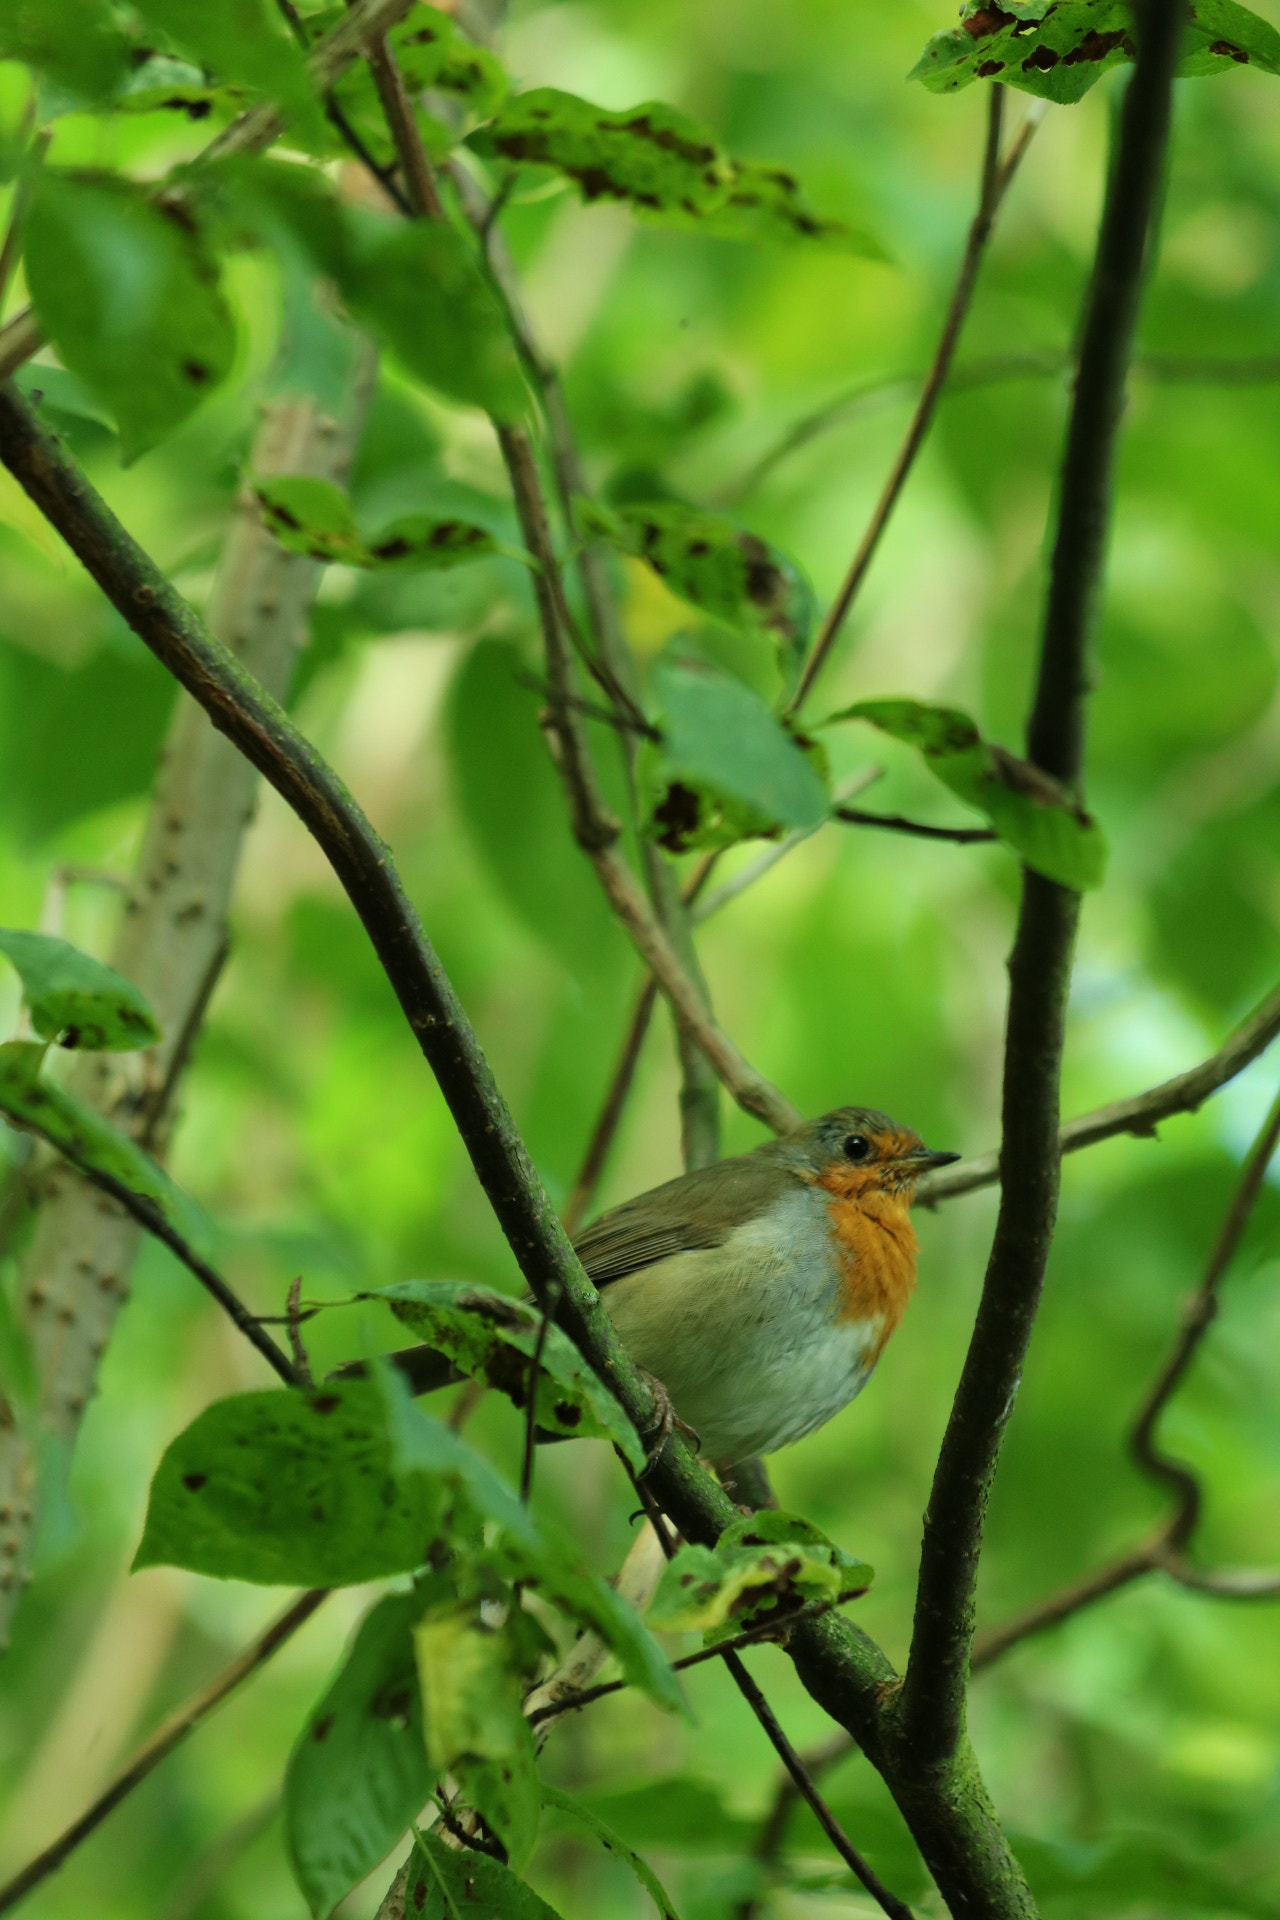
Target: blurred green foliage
<point>1135,1752</point>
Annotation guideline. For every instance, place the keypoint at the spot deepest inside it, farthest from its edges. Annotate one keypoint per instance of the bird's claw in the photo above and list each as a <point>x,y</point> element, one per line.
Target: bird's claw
<point>667,1419</point>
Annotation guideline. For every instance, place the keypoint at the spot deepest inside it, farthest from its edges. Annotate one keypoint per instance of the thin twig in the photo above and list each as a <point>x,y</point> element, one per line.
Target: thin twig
<point>771,1629</point>
<point>995,183</point>
<point>1140,1114</point>
<point>895,1908</point>
<point>615,1100</point>
<point>1199,1316</point>
<point>933,1693</point>
<point>149,1216</point>
<point>895,823</point>
<point>423,194</point>
<point>294,1317</point>
<point>169,1734</point>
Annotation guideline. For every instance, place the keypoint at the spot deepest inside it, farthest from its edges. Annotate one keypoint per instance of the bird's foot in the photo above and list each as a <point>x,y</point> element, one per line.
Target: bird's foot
<point>667,1419</point>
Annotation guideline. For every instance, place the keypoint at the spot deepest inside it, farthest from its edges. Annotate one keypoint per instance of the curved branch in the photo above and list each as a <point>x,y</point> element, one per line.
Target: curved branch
<point>895,823</point>
<point>933,1696</point>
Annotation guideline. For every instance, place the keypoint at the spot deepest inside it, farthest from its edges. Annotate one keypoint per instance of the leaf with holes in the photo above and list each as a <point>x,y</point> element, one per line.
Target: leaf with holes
<point>743,772</point>
<point>653,156</point>
<point>492,1338</point>
<point>314,517</point>
<point>89,1141</point>
<point>708,560</point>
<point>470,1677</point>
<point>612,1841</point>
<point>764,1564</point>
<point>1058,49</point>
<point>1044,824</point>
<point>766,203</point>
<point>76,1000</point>
<point>292,1489</point>
<point>359,1772</point>
<point>447,1885</point>
<point>121,285</point>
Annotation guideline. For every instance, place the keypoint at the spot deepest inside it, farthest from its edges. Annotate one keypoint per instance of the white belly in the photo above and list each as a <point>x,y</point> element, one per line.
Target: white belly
<point>747,1337</point>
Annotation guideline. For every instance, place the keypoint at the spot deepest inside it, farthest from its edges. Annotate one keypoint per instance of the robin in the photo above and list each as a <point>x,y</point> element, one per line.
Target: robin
<point>760,1292</point>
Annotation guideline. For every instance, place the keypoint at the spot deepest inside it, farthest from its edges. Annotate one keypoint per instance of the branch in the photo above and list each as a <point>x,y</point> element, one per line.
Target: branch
<point>995,182</point>
<point>403,128</point>
<point>595,829</point>
<point>894,823</point>
<point>169,1734</point>
<point>933,1698</point>
<point>153,1221</point>
<point>611,1111</point>
<point>1139,1115</point>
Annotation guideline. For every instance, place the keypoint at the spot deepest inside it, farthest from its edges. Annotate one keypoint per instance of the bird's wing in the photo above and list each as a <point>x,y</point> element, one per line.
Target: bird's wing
<point>698,1210</point>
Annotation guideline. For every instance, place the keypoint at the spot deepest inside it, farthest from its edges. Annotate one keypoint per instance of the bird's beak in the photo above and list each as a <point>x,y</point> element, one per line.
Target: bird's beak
<point>925,1158</point>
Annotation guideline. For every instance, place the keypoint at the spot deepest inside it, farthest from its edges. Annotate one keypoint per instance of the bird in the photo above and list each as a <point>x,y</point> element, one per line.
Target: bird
<point>759,1293</point>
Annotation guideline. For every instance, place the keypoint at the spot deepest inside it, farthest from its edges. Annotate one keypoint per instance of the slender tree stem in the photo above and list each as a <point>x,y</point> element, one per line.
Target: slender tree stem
<point>168,1735</point>
<point>995,181</point>
<point>895,823</point>
<point>423,194</point>
<point>933,1698</point>
<point>1140,1114</point>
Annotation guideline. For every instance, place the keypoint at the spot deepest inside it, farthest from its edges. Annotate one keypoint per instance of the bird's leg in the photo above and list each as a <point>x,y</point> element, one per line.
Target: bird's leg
<point>667,1419</point>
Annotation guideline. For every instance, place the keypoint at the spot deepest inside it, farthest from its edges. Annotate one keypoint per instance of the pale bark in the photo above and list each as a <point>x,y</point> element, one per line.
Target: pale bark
<point>74,1274</point>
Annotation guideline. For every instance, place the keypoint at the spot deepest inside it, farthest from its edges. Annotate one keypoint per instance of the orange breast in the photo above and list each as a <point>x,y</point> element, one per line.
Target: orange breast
<point>877,1249</point>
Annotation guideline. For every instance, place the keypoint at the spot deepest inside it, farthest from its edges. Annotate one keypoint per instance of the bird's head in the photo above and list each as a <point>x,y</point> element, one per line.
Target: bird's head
<point>856,1150</point>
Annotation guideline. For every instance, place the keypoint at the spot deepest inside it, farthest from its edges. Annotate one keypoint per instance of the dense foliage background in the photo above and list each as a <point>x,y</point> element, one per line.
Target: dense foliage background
<point>1135,1753</point>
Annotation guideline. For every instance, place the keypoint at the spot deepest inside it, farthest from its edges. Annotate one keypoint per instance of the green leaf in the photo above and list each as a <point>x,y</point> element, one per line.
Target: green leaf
<point>1059,51</point>
<point>75,42</point>
<point>469,1674</point>
<point>75,999</point>
<point>416,285</point>
<point>291,1489</point>
<point>87,1140</point>
<point>1044,824</point>
<point>513,810</point>
<point>242,42</point>
<point>314,517</point>
<point>123,288</point>
<point>766,203</point>
<point>576,1809</point>
<point>708,560</point>
<point>652,155</point>
<point>359,1772</point>
<point>444,1885</point>
<point>165,83</point>
<point>493,1338</point>
<point>719,735</point>
<point>767,1563</point>
<point>528,1550</point>
<point>668,167</point>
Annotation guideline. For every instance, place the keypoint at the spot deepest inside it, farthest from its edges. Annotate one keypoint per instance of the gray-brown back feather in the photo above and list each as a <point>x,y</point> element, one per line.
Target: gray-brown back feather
<point>697,1210</point>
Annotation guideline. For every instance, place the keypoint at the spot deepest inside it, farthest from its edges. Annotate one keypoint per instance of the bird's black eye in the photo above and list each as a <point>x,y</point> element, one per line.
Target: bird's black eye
<point>857,1147</point>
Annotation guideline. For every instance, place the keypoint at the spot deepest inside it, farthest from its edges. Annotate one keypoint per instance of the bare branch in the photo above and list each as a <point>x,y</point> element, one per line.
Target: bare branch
<point>611,1112</point>
<point>995,182</point>
<point>933,1698</point>
<point>169,1734</point>
<point>396,105</point>
<point>1140,1114</point>
<point>895,823</point>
